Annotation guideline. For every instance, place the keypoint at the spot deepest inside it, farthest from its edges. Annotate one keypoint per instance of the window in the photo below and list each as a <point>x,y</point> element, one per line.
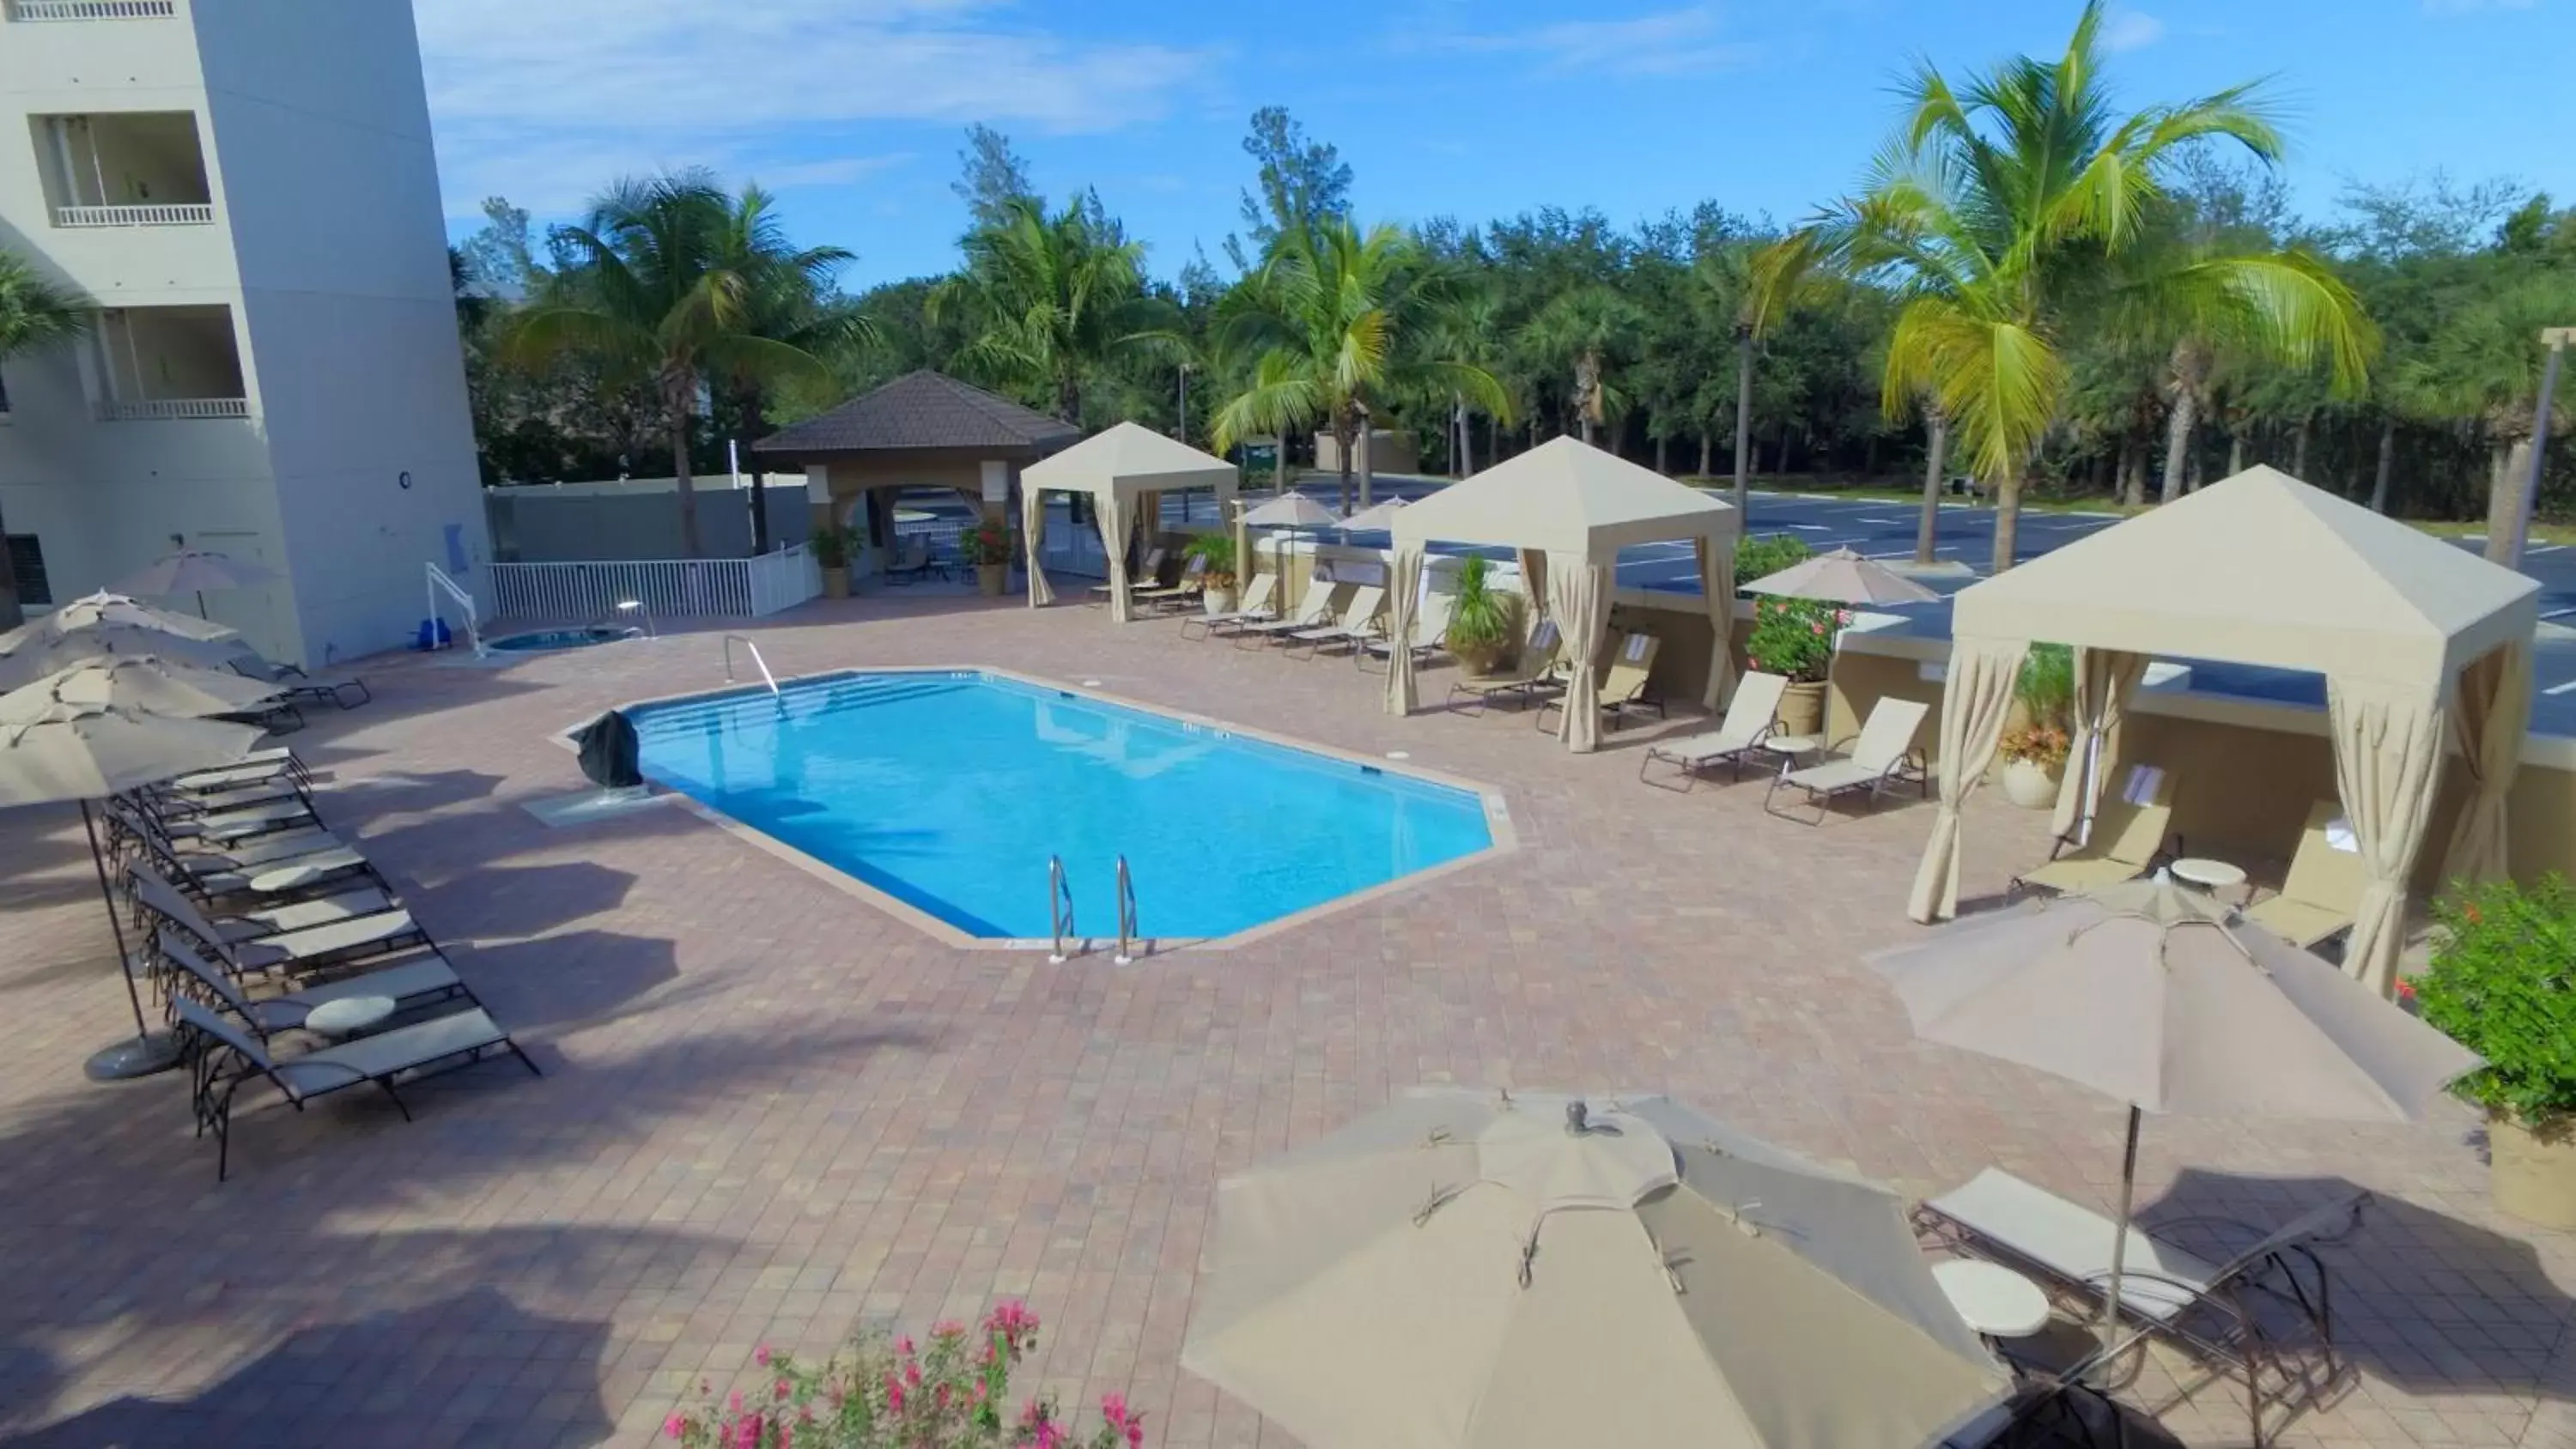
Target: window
<point>27,561</point>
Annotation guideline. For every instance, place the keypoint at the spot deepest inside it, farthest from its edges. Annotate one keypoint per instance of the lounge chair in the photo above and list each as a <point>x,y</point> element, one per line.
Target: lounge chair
<point>294,684</point>
<point>320,945</point>
<point>223,1057</point>
<point>1623,681</point>
<point>1430,623</point>
<point>1351,625</point>
<point>227,826</point>
<point>2323,888</point>
<point>1319,608</point>
<point>1178,594</point>
<point>424,981</point>
<point>293,860</point>
<point>272,763</point>
<point>1751,717</point>
<point>1148,575</point>
<point>2128,838</point>
<point>1882,756</point>
<point>912,561</point>
<point>2229,1308</point>
<point>1252,608</point>
<point>1538,661</point>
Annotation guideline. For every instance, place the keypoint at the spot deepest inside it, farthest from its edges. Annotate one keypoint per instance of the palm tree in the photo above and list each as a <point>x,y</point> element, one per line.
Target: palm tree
<point>2483,363</point>
<point>1468,328</point>
<point>1988,209</point>
<point>1728,278</point>
<point>1583,328</point>
<point>654,293</point>
<point>1334,320</point>
<point>788,302</point>
<point>1051,299</point>
<point>34,313</point>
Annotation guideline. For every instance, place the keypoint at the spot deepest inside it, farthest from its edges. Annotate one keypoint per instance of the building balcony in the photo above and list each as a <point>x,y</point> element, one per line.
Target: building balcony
<point>93,9</point>
<point>180,214</point>
<point>171,409</point>
<point>167,364</point>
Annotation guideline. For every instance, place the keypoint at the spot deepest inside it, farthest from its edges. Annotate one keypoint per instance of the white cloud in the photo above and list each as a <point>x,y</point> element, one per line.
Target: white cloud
<point>544,100</point>
<point>2131,30</point>
<point>1687,41</point>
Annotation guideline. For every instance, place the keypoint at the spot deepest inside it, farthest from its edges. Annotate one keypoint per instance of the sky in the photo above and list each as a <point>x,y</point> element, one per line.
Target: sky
<point>853,111</point>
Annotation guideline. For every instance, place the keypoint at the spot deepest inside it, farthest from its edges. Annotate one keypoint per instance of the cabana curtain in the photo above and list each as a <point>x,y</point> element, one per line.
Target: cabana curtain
<point>2488,716</point>
<point>1033,519</point>
<point>1717,581</point>
<point>1973,705</point>
<point>1578,601</point>
<point>2104,681</point>
<point>2388,755</point>
<point>1112,516</point>
<point>1402,604</point>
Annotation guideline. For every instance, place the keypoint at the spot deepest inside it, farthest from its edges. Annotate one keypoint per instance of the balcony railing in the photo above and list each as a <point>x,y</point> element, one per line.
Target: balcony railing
<point>184,214</point>
<point>167,408</point>
<point>92,9</point>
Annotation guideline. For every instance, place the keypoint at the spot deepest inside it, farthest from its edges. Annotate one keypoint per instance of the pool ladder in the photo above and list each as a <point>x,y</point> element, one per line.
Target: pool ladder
<point>768,678</point>
<point>1060,914</point>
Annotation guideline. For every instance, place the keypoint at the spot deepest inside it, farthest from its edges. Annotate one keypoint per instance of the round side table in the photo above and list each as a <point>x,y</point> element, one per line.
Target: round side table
<point>349,1015</point>
<point>1993,1299</point>
<point>2206,875</point>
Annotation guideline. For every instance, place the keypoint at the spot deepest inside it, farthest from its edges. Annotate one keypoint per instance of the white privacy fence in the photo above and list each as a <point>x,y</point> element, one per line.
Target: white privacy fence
<point>667,588</point>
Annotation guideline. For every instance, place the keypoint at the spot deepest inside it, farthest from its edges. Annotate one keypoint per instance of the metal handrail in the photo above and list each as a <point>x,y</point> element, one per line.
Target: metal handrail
<point>440,583</point>
<point>1127,934</point>
<point>732,639</point>
<point>1059,908</point>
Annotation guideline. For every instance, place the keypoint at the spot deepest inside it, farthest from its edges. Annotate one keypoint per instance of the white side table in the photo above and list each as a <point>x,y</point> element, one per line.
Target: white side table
<point>349,1015</point>
<point>1794,748</point>
<point>2204,874</point>
<point>1993,1299</point>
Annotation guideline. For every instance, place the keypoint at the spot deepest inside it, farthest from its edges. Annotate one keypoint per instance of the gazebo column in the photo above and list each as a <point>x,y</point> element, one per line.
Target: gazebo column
<point>821,508</point>
<point>2388,758</point>
<point>996,480</point>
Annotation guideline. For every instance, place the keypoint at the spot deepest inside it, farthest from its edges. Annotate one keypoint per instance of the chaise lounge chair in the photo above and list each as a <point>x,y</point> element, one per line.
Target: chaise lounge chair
<point>408,984</point>
<point>1538,662</point>
<point>2231,1309</point>
<point>1430,623</point>
<point>294,684</point>
<point>1252,608</point>
<point>1319,608</point>
<point>1623,681</point>
<point>1882,756</point>
<point>1148,575</point>
<point>224,1057</point>
<point>1184,592</point>
<point>1351,625</point>
<point>310,945</point>
<point>2128,838</point>
<point>284,862</point>
<point>2323,888</point>
<point>1751,717</point>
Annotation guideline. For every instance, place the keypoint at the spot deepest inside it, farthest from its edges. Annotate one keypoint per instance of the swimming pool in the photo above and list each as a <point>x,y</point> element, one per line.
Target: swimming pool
<point>543,641</point>
<point>950,791</point>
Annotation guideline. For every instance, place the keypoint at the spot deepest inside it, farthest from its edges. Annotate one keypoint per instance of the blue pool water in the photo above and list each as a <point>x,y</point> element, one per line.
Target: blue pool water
<point>950,791</point>
<point>543,641</point>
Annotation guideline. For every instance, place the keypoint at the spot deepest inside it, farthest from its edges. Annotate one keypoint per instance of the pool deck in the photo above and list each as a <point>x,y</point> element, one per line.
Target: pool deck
<point>772,1113</point>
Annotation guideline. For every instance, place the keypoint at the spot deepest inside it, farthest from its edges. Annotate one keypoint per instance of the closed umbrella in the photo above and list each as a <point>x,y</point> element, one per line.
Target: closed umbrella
<point>1500,1270</point>
<point>193,571</point>
<point>1290,512</point>
<point>86,734</point>
<point>2166,999</point>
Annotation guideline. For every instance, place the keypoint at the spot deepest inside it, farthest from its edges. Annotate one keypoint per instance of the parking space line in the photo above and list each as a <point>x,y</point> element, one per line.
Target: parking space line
<point>2568,688</point>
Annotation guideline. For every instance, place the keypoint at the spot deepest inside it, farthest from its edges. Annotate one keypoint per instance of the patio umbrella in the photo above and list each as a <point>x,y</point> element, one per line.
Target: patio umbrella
<point>1373,520</point>
<point>2166,999</point>
<point>91,611</point>
<point>1498,1270</point>
<point>1840,577</point>
<point>1290,512</point>
<point>193,571</point>
<point>43,653</point>
<point>88,733</point>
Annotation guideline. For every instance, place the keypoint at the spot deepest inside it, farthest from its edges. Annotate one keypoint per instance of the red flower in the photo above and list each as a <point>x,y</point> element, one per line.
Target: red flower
<point>781,1390</point>
<point>676,1425</point>
<point>894,1394</point>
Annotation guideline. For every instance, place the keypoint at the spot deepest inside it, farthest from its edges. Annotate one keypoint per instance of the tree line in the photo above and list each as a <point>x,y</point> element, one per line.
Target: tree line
<point>2029,287</point>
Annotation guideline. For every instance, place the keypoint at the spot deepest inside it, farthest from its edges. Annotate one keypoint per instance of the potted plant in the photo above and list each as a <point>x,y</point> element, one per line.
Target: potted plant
<point>2503,984</point>
<point>2034,751</point>
<point>1794,638</point>
<point>831,545</point>
<point>987,546</point>
<point>1217,578</point>
<point>1482,618</point>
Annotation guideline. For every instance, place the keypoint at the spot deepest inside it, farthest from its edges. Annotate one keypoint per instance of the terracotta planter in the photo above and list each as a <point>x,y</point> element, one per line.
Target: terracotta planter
<point>1802,708</point>
<point>836,582</point>
<point>1217,601</point>
<point>2031,786</point>
<point>991,577</point>
<point>2533,1173</point>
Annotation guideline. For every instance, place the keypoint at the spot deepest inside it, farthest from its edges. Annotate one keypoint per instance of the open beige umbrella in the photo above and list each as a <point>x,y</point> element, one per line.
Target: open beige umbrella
<point>88,733</point>
<point>148,684</point>
<point>1499,1270</point>
<point>1377,519</point>
<point>193,571</point>
<point>1290,512</point>
<point>91,611</point>
<point>2163,998</point>
<point>42,655</point>
<point>1842,577</point>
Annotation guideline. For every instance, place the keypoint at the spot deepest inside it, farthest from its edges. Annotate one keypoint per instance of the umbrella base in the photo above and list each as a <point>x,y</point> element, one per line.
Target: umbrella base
<point>136,1057</point>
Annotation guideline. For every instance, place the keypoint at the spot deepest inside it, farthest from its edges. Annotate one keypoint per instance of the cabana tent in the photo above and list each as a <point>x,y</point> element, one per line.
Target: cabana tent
<point>2262,569</point>
<point>1126,471</point>
<point>1573,503</point>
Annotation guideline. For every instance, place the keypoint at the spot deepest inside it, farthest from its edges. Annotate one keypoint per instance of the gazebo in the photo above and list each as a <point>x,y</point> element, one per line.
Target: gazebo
<point>1126,471</point>
<point>1568,508</point>
<point>2262,569</point>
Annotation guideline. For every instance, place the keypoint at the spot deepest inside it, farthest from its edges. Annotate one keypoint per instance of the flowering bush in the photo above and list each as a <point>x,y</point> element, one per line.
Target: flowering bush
<point>2042,745</point>
<point>881,1394</point>
<point>988,542</point>
<point>1793,637</point>
<point>2503,984</point>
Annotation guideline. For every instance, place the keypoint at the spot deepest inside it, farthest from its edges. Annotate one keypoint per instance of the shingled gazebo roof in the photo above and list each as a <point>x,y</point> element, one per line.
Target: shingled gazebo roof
<point>922,411</point>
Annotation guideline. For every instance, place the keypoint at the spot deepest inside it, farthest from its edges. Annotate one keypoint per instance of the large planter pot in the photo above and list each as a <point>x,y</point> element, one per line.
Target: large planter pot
<point>2532,1172</point>
<point>836,582</point>
<point>2030,786</point>
<point>1217,601</point>
<point>1478,656</point>
<point>1802,709</point>
<point>991,577</point>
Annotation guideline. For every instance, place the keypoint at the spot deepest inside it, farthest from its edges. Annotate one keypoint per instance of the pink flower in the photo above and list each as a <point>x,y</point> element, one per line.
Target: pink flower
<point>894,1394</point>
<point>904,1346</point>
<point>760,1355</point>
<point>1819,628</point>
<point>676,1425</point>
<point>781,1390</point>
<point>733,1402</point>
<point>948,1328</point>
<point>912,1374</point>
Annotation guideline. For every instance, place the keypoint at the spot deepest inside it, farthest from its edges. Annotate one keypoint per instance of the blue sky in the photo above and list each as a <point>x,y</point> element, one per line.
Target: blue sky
<point>852,110</point>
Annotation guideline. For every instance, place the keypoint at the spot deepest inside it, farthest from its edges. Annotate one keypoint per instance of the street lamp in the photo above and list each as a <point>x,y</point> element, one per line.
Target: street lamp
<point>2528,497</point>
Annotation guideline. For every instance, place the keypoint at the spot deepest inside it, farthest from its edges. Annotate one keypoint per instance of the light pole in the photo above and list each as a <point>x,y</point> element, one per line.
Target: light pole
<point>2528,496</point>
<point>1181,430</point>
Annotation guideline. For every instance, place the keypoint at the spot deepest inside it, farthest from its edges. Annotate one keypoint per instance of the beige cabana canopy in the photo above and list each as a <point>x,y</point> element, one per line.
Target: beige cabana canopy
<point>1571,503</point>
<point>2262,569</point>
<point>1126,470</point>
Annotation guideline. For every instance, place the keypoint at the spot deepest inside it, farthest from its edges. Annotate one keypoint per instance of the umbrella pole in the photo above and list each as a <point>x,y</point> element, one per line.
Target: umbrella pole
<point>201,604</point>
<point>148,1052</point>
<point>2120,1233</point>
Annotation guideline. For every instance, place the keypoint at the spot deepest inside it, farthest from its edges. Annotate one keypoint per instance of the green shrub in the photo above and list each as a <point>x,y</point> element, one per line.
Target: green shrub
<point>987,543</point>
<point>1794,637</point>
<point>2046,686</point>
<point>1480,615</point>
<point>831,545</point>
<point>1218,549</point>
<point>1767,554</point>
<point>2500,986</point>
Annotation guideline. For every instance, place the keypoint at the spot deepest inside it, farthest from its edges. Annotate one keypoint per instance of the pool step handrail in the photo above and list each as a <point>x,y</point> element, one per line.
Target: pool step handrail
<point>442,585</point>
<point>731,640</point>
<point>1127,935</point>
<point>1059,909</point>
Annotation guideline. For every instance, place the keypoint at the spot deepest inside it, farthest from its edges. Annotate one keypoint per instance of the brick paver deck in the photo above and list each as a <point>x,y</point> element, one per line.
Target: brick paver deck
<point>772,1112</point>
